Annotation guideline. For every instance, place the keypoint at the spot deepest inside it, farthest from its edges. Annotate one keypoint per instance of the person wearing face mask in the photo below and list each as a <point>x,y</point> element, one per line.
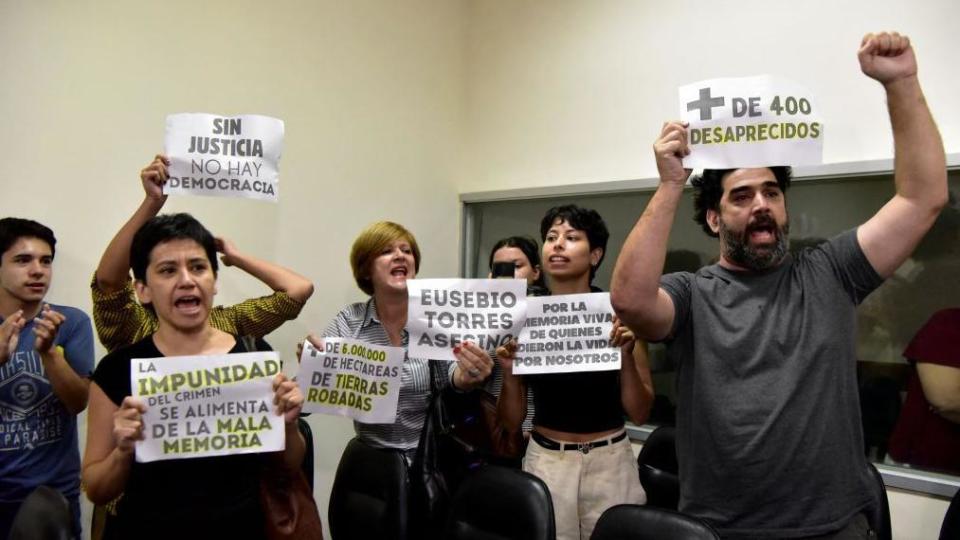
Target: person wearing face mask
<point>175,269</point>
<point>578,445</point>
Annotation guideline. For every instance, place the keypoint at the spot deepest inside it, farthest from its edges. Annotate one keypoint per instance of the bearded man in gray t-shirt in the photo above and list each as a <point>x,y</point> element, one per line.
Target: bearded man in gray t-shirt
<point>768,427</point>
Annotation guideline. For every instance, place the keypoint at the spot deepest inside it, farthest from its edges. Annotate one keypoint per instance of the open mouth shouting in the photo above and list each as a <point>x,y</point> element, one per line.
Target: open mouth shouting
<point>763,230</point>
<point>189,304</point>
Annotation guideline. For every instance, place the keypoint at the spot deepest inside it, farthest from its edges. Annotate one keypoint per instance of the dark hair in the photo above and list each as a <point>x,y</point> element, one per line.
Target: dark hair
<point>13,229</point>
<point>582,219</point>
<point>529,248</point>
<point>164,228</point>
<point>708,190</point>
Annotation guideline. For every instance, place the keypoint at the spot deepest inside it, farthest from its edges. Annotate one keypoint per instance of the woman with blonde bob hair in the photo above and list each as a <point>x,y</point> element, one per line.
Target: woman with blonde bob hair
<point>384,256</point>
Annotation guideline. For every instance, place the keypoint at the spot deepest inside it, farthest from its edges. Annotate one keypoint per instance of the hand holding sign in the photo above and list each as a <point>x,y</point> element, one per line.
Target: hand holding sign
<point>153,177</point>
<point>505,356</point>
<point>621,336</point>
<point>287,397</point>
<point>128,424</point>
<point>887,57</point>
<point>473,365</point>
<point>670,149</point>
<point>314,340</point>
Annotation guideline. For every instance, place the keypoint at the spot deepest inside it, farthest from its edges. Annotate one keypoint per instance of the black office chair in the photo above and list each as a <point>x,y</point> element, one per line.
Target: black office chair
<point>878,515</point>
<point>635,522</point>
<point>879,411</point>
<point>950,530</point>
<point>658,468</point>
<point>369,498</point>
<point>501,503</point>
<point>44,515</point>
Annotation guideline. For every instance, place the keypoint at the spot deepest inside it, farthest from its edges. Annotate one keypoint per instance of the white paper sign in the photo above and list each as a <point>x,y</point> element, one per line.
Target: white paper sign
<point>750,122</point>
<point>351,378</point>
<point>567,333</point>
<point>233,156</point>
<point>444,313</point>
<point>199,406</point>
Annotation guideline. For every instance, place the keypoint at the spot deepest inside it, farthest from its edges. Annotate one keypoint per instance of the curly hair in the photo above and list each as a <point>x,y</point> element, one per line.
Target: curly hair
<point>584,219</point>
<point>708,190</point>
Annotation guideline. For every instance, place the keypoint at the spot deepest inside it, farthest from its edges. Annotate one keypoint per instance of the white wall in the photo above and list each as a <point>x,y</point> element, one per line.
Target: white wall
<point>392,108</point>
<point>371,93</point>
<point>568,91</point>
<point>564,91</point>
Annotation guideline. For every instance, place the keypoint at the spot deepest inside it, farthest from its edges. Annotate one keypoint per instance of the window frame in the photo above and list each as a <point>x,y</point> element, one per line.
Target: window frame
<point>916,480</point>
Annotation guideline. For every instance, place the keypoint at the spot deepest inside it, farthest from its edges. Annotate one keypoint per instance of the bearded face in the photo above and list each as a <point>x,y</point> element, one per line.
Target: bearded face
<point>760,245</point>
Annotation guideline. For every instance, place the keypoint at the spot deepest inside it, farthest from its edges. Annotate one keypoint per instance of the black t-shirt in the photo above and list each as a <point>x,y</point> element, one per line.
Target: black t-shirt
<point>582,402</point>
<point>212,497</point>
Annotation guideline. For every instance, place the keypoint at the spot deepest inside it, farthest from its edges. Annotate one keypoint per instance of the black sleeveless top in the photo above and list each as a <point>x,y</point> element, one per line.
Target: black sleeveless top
<point>583,402</point>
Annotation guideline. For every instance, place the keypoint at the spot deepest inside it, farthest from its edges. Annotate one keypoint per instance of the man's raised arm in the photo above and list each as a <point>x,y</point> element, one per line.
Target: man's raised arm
<point>920,170</point>
<point>635,288</point>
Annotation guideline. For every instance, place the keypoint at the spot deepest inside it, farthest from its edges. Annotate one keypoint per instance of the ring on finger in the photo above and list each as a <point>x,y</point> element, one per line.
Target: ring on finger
<point>473,372</point>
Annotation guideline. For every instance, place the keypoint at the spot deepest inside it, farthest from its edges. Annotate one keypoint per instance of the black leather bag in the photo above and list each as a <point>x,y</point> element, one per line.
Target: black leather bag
<point>429,492</point>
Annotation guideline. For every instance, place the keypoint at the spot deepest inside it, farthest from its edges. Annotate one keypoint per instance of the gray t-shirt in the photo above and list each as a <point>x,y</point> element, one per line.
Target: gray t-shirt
<point>768,422</point>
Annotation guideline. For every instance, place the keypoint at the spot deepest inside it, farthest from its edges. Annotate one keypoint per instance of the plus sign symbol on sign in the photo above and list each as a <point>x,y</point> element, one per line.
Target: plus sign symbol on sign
<point>706,104</point>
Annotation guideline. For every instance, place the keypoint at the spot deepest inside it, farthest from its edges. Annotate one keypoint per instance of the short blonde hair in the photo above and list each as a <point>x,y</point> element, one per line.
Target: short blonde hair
<point>370,243</point>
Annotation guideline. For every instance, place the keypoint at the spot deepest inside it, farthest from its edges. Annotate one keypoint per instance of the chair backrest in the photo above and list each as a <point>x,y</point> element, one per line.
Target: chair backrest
<point>658,468</point>
<point>44,515</point>
<point>635,522</point>
<point>879,411</point>
<point>950,530</point>
<point>500,503</point>
<point>879,514</point>
<point>307,464</point>
<point>369,497</point>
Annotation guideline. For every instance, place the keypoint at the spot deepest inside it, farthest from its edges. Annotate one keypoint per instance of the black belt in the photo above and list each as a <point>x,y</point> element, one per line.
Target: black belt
<point>585,447</point>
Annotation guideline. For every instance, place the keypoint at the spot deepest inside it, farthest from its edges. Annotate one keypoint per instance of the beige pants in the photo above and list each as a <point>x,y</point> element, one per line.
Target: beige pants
<point>582,485</point>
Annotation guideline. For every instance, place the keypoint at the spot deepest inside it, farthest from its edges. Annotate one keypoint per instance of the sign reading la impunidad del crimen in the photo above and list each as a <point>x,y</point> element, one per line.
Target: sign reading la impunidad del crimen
<point>199,406</point>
